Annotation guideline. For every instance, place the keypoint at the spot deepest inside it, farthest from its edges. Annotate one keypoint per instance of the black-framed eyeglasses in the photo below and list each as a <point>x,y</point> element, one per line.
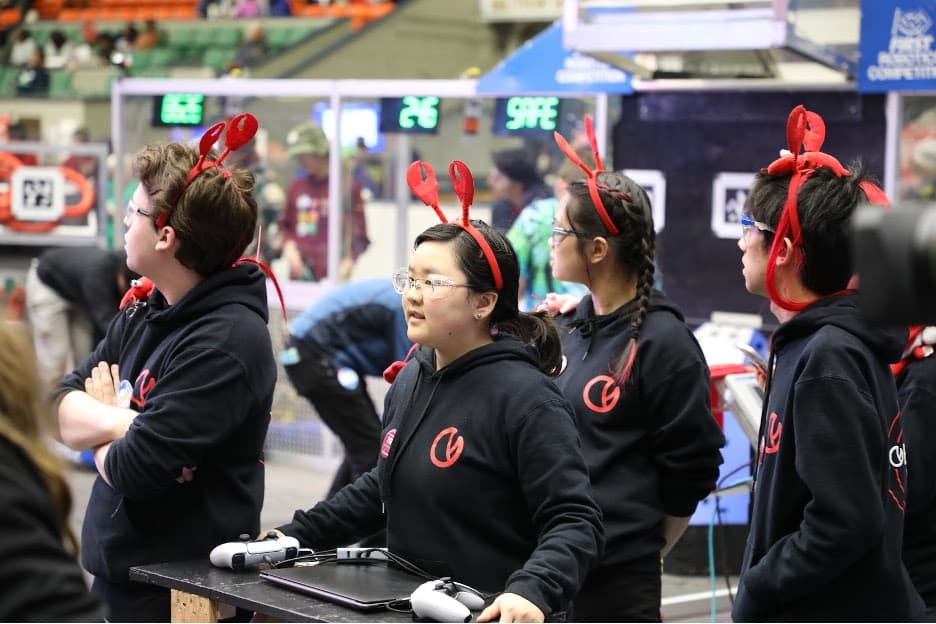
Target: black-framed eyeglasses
<point>749,225</point>
<point>559,234</point>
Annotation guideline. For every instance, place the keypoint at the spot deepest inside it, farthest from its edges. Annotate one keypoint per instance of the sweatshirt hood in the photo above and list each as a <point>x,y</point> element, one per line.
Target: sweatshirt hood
<point>504,347</point>
<point>842,311</point>
<point>585,320</point>
<point>244,284</point>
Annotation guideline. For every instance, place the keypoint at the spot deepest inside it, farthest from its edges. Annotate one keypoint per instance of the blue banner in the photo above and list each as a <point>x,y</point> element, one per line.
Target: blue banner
<point>542,65</point>
<point>896,52</point>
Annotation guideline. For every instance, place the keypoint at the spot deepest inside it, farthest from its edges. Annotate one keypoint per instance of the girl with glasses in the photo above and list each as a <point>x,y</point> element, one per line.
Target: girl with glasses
<point>481,475</point>
<point>640,387</point>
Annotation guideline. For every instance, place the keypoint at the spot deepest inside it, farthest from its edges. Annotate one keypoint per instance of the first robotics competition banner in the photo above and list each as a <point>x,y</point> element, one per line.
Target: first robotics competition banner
<point>896,50</point>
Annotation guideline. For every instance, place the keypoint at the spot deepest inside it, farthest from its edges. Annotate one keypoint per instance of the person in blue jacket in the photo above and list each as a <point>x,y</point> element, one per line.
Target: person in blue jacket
<point>353,331</point>
<point>175,401</point>
<point>481,475</point>
<point>830,478</point>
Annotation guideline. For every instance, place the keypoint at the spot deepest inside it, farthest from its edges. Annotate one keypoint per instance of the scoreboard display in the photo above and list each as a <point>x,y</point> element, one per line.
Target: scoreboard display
<point>526,115</point>
<point>410,114</point>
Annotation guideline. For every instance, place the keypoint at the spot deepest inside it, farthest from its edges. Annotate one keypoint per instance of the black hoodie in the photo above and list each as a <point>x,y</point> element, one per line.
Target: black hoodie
<point>652,447</point>
<point>829,493</point>
<point>916,390</point>
<point>482,478</point>
<point>203,374</point>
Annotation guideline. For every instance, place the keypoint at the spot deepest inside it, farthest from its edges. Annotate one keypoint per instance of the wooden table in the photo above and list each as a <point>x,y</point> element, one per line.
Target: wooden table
<point>198,591</point>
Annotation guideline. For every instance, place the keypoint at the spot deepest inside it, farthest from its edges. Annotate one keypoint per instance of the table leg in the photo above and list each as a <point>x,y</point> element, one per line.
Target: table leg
<point>188,607</point>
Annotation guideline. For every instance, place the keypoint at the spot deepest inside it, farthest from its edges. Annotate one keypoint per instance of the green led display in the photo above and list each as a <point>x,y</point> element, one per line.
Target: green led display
<point>420,112</point>
<point>179,109</point>
<point>410,114</point>
<point>532,113</point>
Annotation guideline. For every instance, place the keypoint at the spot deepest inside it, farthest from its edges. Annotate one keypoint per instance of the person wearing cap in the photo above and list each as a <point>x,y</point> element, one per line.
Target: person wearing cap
<point>175,401</point>
<point>515,183</point>
<point>304,224</point>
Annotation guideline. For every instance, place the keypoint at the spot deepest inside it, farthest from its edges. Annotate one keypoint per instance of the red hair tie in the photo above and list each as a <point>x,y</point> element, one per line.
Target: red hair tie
<point>805,132</point>
<point>591,175</point>
<point>421,178</point>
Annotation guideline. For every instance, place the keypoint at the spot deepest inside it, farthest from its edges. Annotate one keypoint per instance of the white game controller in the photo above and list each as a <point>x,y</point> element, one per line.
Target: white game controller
<point>444,600</point>
<point>249,554</point>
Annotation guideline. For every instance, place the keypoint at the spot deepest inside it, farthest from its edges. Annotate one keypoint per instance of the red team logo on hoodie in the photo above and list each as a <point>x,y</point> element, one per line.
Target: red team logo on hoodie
<point>454,444</point>
<point>607,397</point>
<point>145,383</point>
<point>897,457</point>
<point>770,441</point>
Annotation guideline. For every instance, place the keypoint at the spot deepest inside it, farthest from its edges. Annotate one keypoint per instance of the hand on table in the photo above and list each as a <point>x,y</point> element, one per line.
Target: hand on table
<point>511,608</point>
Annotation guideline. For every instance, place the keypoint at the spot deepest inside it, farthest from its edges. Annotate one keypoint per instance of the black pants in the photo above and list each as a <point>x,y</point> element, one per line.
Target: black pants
<point>134,602</point>
<point>619,593</point>
<point>348,412</point>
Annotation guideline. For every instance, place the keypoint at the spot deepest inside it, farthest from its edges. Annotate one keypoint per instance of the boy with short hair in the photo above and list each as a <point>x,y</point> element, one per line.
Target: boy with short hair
<point>829,493</point>
<point>180,464</point>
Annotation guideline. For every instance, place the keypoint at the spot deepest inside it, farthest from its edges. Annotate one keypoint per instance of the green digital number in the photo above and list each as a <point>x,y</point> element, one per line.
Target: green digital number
<point>534,113</point>
<point>419,112</point>
<point>182,109</point>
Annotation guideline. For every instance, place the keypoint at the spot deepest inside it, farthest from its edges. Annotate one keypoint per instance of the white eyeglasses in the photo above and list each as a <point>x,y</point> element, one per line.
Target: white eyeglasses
<point>433,286</point>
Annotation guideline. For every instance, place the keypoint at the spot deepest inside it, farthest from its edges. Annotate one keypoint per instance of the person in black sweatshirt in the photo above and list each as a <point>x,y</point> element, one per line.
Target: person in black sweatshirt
<point>639,384</point>
<point>72,293</point>
<point>830,476</point>
<point>916,393</point>
<point>481,475</point>
<point>41,580</point>
<point>180,456</point>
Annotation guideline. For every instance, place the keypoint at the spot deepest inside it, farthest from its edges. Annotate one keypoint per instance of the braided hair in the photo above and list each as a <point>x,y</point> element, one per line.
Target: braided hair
<point>633,248</point>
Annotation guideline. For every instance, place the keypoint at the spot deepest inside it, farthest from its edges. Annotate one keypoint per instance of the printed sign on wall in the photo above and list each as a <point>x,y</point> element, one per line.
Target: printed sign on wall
<point>38,194</point>
<point>896,51</point>
<point>654,182</point>
<point>729,191</point>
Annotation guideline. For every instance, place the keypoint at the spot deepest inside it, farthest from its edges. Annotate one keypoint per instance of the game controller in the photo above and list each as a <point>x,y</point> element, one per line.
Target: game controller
<point>248,554</point>
<point>444,600</point>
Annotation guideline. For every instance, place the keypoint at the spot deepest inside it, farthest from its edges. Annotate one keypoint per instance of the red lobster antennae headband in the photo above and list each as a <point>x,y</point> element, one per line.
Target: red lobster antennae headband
<point>240,130</point>
<point>427,190</point>
<point>591,175</point>
<point>805,131</point>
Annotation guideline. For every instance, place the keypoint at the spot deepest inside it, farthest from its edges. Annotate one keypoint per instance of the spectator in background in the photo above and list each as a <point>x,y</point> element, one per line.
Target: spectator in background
<point>85,54</point>
<point>354,331</point>
<point>41,580</point>
<point>58,50</point>
<point>531,234</point>
<point>85,165</point>
<point>34,78</point>
<point>253,50</point>
<point>126,40</point>
<point>304,224</point>
<point>19,132</point>
<point>246,9</point>
<point>21,52</point>
<point>72,293</point>
<point>149,38</point>
<point>515,183</point>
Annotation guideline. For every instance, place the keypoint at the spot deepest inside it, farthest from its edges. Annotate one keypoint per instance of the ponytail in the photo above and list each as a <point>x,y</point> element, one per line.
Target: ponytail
<point>539,330</point>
